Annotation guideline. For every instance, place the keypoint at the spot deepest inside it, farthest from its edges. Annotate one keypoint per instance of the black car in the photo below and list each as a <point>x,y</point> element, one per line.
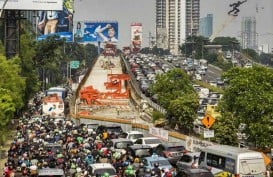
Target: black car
<point>170,150</point>
<point>194,172</point>
<point>111,129</point>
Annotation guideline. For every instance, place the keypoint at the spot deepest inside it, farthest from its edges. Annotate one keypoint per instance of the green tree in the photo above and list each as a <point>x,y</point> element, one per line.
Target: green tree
<point>225,129</point>
<point>177,95</point>
<point>249,99</point>
<point>29,72</point>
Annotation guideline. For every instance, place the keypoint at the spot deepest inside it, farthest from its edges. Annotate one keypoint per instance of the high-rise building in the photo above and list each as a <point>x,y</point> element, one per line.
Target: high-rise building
<point>248,33</point>
<point>175,20</point>
<point>206,26</point>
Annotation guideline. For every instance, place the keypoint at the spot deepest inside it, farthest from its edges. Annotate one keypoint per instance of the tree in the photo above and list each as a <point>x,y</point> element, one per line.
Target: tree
<point>177,95</point>
<point>225,130</point>
<point>249,99</point>
<point>27,52</point>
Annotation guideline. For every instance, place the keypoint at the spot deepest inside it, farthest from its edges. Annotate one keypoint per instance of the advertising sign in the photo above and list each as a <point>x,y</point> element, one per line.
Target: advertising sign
<point>136,36</point>
<point>32,4</point>
<point>53,22</point>
<point>106,32</point>
<point>159,132</point>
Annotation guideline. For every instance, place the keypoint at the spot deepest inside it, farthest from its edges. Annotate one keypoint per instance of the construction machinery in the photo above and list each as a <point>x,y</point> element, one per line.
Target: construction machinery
<point>114,84</point>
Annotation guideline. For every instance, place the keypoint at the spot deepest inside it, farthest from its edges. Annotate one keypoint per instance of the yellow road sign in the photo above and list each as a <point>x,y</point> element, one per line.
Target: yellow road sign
<point>208,121</point>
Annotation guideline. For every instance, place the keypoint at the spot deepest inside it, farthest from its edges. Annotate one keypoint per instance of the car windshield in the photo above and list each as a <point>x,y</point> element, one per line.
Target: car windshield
<point>160,162</point>
<point>123,145</point>
<point>114,129</point>
<point>176,148</point>
<point>143,152</point>
<point>152,141</point>
<point>100,172</point>
<point>135,136</point>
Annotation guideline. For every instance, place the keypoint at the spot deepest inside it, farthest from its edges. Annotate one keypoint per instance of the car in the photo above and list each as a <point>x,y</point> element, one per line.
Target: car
<point>111,129</point>
<point>163,162</point>
<point>170,150</point>
<point>188,160</point>
<point>198,77</point>
<point>133,135</point>
<point>151,141</point>
<point>121,144</point>
<point>194,172</point>
<point>140,151</point>
<point>98,169</point>
<point>91,127</point>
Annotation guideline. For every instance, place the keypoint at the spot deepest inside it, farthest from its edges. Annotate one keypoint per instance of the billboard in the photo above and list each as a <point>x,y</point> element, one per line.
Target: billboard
<point>32,4</point>
<point>136,36</point>
<point>54,22</point>
<point>105,32</point>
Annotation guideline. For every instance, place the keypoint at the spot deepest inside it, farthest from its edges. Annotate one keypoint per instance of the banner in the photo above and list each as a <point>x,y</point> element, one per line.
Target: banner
<point>136,36</point>
<point>159,132</point>
<point>52,22</point>
<point>32,4</point>
<point>106,32</point>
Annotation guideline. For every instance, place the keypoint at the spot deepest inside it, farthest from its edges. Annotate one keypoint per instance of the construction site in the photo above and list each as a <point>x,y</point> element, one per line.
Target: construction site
<point>105,90</point>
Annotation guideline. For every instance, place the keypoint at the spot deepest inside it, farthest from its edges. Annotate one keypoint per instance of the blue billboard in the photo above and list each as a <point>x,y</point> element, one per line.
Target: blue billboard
<point>52,22</point>
<point>105,32</point>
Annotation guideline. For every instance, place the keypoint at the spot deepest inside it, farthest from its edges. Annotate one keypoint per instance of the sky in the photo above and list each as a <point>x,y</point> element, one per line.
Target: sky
<point>126,12</point>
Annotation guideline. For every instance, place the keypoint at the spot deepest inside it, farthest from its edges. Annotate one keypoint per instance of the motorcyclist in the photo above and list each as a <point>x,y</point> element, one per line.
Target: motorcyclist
<point>140,172</point>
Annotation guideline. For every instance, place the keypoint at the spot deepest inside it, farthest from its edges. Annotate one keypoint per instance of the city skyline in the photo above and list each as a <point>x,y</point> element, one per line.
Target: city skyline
<point>143,11</point>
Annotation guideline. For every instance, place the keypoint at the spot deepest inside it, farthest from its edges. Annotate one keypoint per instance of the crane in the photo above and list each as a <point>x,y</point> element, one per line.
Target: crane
<point>225,24</point>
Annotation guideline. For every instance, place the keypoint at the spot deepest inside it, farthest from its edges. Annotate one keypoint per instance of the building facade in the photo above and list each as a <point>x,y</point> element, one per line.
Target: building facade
<point>175,21</point>
<point>206,26</point>
<point>248,33</point>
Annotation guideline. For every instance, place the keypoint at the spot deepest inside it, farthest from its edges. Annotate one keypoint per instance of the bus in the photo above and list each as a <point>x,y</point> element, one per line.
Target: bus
<point>229,161</point>
<point>60,91</point>
<point>53,106</point>
<point>55,102</point>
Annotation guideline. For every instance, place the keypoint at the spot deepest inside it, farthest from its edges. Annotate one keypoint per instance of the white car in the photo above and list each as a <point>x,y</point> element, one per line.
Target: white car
<point>98,169</point>
<point>151,141</point>
<point>133,135</point>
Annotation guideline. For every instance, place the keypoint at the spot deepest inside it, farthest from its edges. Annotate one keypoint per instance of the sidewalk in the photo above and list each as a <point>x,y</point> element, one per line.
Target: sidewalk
<point>4,150</point>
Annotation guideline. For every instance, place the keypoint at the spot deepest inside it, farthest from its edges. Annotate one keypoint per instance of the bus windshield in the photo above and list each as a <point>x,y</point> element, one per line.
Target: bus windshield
<point>251,166</point>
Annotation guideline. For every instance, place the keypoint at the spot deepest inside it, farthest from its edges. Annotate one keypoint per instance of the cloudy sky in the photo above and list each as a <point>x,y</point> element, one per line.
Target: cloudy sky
<point>128,11</point>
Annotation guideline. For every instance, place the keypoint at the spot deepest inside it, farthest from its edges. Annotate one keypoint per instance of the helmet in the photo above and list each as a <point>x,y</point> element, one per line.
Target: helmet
<point>156,164</point>
<point>147,170</point>
<point>129,167</point>
<point>141,164</point>
<point>106,174</point>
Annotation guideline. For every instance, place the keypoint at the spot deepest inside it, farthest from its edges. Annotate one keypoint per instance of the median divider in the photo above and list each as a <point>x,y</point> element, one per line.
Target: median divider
<point>173,136</point>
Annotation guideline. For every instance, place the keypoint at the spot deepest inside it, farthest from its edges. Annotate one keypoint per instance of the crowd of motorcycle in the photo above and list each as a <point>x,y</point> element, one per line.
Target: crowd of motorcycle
<point>46,143</point>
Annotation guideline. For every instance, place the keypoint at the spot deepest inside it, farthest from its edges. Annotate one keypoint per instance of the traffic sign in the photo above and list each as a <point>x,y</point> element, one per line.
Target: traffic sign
<point>208,121</point>
<point>208,133</point>
<point>74,64</point>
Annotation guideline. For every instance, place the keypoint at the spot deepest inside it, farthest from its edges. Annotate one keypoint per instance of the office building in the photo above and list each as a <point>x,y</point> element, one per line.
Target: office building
<point>248,33</point>
<point>175,21</point>
<point>206,26</point>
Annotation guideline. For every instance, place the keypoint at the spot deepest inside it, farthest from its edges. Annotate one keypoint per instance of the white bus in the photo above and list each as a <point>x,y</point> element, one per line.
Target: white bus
<point>229,161</point>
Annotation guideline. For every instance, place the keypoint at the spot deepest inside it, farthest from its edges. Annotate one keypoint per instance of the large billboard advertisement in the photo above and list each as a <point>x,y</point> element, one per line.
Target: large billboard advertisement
<point>105,32</point>
<point>53,22</point>
<point>136,36</point>
<point>32,4</point>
